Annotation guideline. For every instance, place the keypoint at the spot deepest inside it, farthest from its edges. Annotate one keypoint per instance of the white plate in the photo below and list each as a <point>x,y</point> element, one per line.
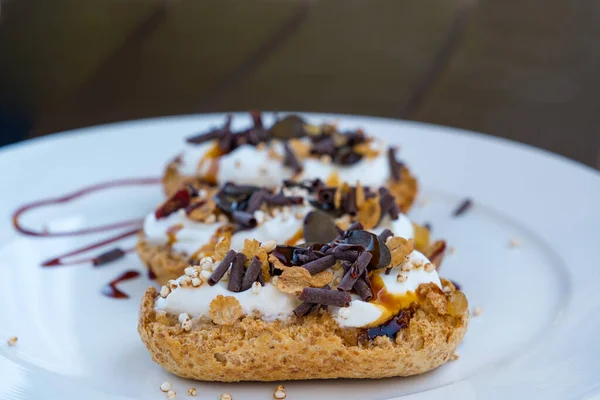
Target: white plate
<point>537,336</point>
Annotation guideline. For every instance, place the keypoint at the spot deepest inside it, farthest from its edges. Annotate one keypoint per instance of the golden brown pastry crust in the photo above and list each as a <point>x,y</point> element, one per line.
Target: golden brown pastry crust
<point>404,190</point>
<point>164,263</point>
<point>312,347</point>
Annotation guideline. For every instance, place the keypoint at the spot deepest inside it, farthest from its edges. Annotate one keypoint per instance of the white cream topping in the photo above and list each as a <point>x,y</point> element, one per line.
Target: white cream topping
<point>273,304</point>
<point>402,226</point>
<point>191,156</point>
<point>360,314</point>
<point>279,228</point>
<point>369,172</point>
<point>188,239</point>
<point>252,165</point>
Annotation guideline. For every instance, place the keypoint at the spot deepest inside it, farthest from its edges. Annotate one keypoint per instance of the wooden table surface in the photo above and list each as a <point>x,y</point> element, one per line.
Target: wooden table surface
<point>524,70</point>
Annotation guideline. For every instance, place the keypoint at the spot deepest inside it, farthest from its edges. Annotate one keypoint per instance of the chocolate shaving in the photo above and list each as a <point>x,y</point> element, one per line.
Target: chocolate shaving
<point>290,159</point>
<point>463,207</point>
<point>349,202</point>
<point>386,201</point>
<point>427,226</point>
<point>394,211</point>
<point>255,201</point>
<point>282,200</point>
<point>325,145</point>
<point>231,189</point>
<point>355,226</point>
<point>357,269</point>
<point>435,253</point>
<point>289,127</point>
<point>252,273</point>
<point>395,165</point>
<point>326,195</point>
<point>213,134</point>
<point>456,284</point>
<point>319,227</point>
<point>222,268</point>
<point>350,246</point>
<point>344,255</point>
<point>385,234</point>
<point>305,309</point>
<point>363,289</point>
<point>244,219</point>
<point>256,118</point>
<point>237,273</point>
<point>393,326</point>
<point>326,297</point>
<point>108,257</point>
<point>320,264</point>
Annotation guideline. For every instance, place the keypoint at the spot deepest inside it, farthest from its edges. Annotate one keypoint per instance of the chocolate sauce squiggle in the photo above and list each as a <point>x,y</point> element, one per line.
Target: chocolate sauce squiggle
<point>133,225</point>
<point>72,196</point>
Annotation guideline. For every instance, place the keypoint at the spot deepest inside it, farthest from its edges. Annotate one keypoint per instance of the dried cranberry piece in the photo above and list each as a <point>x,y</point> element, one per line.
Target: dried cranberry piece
<point>178,200</point>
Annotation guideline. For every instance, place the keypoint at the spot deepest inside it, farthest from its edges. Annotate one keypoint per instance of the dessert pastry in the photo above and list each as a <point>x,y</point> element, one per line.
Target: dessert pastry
<point>358,306</point>
<point>188,226</point>
<point>289,149</point>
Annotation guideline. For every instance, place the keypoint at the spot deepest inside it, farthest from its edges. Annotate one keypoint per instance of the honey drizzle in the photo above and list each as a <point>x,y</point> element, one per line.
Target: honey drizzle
<point>299,235</point>
<point>389,303</point>
<point>210,164</point>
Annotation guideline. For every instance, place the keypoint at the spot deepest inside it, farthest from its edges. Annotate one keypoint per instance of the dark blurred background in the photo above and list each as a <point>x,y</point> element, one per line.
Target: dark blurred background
<point>521,69</point>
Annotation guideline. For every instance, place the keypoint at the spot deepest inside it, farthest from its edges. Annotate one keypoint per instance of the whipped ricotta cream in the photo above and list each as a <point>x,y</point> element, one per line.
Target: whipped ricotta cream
<point>188,235</point>
<point>359,314</point>
<point>273,304</point>
<point>269,302</point>
<point>250,165</point>
<point>281,228</point>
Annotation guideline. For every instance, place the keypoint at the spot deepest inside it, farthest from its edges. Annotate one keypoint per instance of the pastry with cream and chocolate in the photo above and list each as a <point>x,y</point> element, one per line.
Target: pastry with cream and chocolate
<point>188,225</point>
<point>361,305</point>
<point>289,149</point>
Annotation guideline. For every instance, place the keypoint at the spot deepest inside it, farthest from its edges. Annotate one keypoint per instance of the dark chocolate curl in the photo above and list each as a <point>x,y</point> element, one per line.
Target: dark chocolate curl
<point>349,202</point>
<point>385,234</point>
<point>237,273</point>
<point>205,137</point>
<point>222,268</point>
<point>255,201</point>
<point>386,200</point>
<point>391,328</point>
<point>325,296</point>
<point>305,309</point>
<point>213,134</point>
<point>256,118</point>
<point>109,256</point>
<point>363,289</point>
<point>355,226</point>
<point>290,159</point>
<point>344,255</point>
<point>359,267</point>
<point>395,165</point>
<point>282,200</point>
<point>244,219</point>
<point>463,207</point>
<point>252,273</point>
<point>394,211</point>
<point>320,264</point>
